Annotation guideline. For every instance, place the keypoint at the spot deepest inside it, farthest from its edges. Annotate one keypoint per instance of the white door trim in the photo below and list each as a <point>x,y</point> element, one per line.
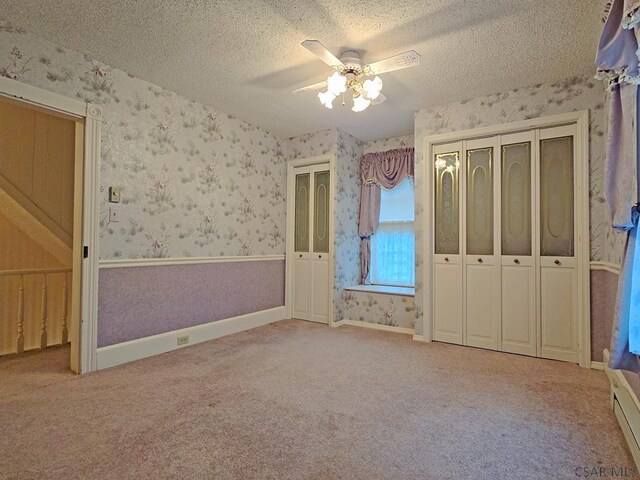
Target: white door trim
<point>291,165</point>
<point>92,114</point>
<point>581,119</point>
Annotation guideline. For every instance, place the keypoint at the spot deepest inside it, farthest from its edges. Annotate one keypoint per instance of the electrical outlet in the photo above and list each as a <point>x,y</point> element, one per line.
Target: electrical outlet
<point>183,340</point>
<point>113,215</point>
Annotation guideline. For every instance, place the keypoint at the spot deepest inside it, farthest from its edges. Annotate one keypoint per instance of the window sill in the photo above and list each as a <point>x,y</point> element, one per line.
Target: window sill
<point>386,289</point>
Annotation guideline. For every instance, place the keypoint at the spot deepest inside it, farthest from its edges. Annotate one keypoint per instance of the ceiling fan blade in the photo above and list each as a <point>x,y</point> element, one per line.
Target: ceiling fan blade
<point>397,62</point>
<point>311,88</point>
<point>319,50</point>
<point>379,99</point>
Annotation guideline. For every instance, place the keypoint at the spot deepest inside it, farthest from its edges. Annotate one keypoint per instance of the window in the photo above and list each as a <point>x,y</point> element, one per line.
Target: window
<point>393,243</point>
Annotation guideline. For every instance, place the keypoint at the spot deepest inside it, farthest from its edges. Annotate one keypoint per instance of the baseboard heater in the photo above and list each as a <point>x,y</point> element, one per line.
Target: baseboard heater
<point>625,407</point>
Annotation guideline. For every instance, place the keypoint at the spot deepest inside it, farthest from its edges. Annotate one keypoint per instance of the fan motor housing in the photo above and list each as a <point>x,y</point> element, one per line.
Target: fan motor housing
<point>352,62</point>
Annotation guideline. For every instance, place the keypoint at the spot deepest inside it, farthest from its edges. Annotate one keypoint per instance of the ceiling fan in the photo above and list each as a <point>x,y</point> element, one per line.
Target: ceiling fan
<point>351,73</point>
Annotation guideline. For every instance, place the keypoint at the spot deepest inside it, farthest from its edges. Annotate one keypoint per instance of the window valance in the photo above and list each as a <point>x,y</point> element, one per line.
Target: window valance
<point>387,169</point>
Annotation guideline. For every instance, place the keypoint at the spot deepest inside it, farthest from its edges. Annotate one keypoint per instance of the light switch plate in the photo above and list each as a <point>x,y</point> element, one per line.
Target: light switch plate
<point>114,194</point>
<point>113,215</point>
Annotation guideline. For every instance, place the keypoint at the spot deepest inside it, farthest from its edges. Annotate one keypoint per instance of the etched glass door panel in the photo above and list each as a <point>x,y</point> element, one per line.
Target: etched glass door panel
<point>447,203</point>
<point>321,212</point>
<point>516,199</point>
<point>556,197</point>
<point>479,216</point>
<point>302,213</point>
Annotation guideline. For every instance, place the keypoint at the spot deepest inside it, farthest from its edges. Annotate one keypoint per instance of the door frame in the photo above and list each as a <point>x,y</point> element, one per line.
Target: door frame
<point>290,228</point>
<point>84,329</point>
<point>581,119</point>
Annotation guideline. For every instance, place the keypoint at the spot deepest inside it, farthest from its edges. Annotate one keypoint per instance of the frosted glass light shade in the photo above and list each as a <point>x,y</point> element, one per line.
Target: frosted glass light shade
<point>336,84</point>
<point>326,98</point>
<point>360,103</point>
<point>372,88</point>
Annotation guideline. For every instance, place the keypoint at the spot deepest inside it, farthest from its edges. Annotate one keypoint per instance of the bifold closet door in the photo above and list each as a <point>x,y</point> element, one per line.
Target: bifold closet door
<point>517,180</point>
<point>558,280</point>
<point>312,248</point>
<point>447,260</point>
<point>302,243</point>
<point>320,300</point>
<point>482,271</point>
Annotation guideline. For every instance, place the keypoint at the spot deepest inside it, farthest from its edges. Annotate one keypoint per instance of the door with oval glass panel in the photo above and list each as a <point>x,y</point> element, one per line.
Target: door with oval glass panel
<point>447,261</point>
<point>482,271</point>
<point>557,242</point>
<point>518,250</point>
<point>311,243</point>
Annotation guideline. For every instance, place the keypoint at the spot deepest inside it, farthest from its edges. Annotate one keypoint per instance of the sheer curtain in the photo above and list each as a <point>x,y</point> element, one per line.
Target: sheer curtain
<point>393,244</point>
<point>393,254</point>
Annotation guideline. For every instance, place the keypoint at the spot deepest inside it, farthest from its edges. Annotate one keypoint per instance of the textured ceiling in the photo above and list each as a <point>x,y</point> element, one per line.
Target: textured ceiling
<point>244,56</point>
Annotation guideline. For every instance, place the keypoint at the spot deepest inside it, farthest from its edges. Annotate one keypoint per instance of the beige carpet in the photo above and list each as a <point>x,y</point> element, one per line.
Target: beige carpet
<point>297,400</point>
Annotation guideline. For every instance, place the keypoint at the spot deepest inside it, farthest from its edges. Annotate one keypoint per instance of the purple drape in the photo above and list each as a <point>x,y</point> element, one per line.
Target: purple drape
<point>387,169</point>
<point>618,62</point>
<point>378,170</point>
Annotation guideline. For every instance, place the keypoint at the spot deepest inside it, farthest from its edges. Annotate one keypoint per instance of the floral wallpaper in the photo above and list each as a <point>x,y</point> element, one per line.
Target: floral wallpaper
<point>571,94</point>
<point>347,202</point>
<point>384,144</point>
<point>380,308</point>
<point>314,144</point>
<point>195,181</point>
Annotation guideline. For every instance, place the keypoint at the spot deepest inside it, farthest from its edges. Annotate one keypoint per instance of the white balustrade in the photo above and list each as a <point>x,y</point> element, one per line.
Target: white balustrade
<point>52,305</point>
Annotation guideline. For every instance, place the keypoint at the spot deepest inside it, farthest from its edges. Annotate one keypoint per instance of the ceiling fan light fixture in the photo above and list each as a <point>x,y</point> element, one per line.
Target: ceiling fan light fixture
<point>360,103</point>
<point>372,88</point>
<point>336,84</point>
<point>326,98</point>
<point>350,73</point>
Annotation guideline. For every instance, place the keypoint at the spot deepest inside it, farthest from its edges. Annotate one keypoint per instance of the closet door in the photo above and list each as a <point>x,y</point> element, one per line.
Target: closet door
<point>517,212</point>
<point>302,245</point>
<point>558,280</point>
<point>447,260</point>
<point>320,298</point>
<point>482,271</point>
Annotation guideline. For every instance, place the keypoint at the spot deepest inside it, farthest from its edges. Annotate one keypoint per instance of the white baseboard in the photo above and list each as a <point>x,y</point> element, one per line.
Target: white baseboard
<point>148,346</point>
<point>374,326</point>
<point>626,407</point>
<point>419,338</point>
<point>597,365</point>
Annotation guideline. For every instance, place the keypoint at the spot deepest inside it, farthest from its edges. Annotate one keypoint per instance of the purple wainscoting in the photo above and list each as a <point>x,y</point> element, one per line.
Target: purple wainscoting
<point>604,285</point>
<point>136,302</point>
